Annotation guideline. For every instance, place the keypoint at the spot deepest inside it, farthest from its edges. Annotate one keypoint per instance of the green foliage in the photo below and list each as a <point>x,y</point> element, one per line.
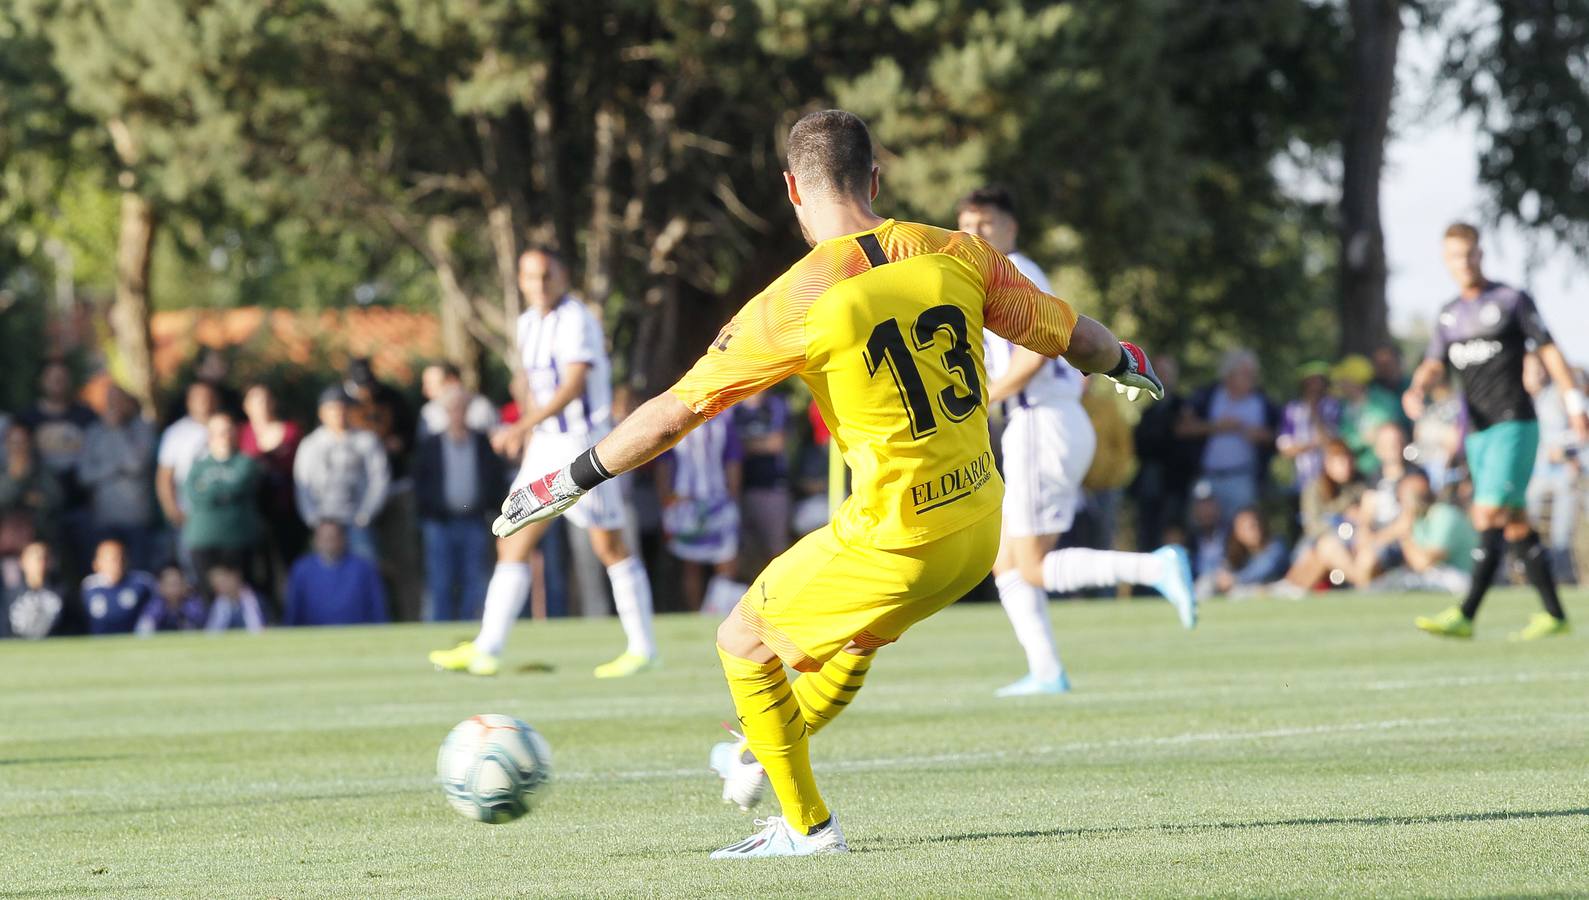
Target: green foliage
<point>1141,139</point>
<point>1524,69</point>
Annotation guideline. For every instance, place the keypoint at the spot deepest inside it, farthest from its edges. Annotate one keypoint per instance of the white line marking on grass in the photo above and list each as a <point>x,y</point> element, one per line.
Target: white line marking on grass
<point>1055,750</point>
<point>1470,680</point>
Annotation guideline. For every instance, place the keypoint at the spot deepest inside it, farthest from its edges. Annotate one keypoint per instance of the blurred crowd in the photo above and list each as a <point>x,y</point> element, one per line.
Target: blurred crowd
<point>1337,487</point>
<point>229,513</point>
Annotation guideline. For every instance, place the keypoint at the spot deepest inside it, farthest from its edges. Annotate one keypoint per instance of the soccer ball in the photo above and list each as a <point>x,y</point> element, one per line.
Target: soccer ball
<point>493,768</point>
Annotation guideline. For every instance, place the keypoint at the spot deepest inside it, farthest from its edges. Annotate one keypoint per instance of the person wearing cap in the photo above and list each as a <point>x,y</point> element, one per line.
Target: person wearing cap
<point>1364,407</point>
<point>341,473</point>
<point>1307,423</point>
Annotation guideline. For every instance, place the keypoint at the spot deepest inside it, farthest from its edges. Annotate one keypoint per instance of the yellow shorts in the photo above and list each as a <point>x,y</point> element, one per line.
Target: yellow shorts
<point>822,593</point>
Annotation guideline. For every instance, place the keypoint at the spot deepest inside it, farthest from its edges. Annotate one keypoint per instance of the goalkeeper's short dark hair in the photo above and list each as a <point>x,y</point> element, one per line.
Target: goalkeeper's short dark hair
<point>995,196</point>
<point>830,151</point>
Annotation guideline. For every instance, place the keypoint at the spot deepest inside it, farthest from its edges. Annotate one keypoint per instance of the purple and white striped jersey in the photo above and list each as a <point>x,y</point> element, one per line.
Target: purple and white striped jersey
<point>700,461</point>
<point>568,334</point>
<point>1056,383</point>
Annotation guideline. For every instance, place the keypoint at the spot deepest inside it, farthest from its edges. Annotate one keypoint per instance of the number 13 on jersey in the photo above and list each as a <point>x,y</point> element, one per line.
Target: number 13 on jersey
<point>886,348</point>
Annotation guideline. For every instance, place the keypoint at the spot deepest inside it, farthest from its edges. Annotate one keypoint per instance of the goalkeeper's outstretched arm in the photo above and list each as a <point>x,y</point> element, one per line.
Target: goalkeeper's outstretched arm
<point>658,424</point>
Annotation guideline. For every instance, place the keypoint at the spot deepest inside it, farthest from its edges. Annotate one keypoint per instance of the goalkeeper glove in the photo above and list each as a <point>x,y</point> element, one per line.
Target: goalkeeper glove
<point>551,494</point>
<point>1134,374</point>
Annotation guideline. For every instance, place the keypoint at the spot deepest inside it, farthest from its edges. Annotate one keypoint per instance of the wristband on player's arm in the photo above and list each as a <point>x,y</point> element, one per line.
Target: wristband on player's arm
<point>1575,402</point>
<point>587,471</point>
<point>1123,366</point>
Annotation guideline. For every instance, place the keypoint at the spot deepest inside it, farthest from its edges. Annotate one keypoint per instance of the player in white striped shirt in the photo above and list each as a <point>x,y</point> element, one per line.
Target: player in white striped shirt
<point>1047,446</point>
<point>568,408</point>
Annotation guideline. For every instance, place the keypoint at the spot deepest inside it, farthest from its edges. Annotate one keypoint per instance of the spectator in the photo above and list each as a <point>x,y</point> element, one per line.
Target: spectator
<point>214,369</point>
<point>436,381</point>
<point>1307,423</point>
<point>1236,421</point>
<point>1553,490</point>
<point>34,608</point>
<point>59,424</point>
<point>1163,485</point>
<point>1369,542</point>
<point>1205,539</point>
<point>1113,461</point>
<point>114,597</point>
<point>1389,373</point>
<point>1438,546</point>
<point>235,605</point>
<point>376,407</point>
<point>30,498</point>
<point>1253,557</point>
<point>761,423</point>
<point>1331,497</point>
<point>814,470</point>
<point>698,482</point>
<point>1437,436</point>
<point>341,473</point>
<point>273,442</point>
<point>183,442</point>
<point>329,586</point>
<point>1367,539</point>
<point>1433,541</point>
<point>379,409</point>
<point>457,482</point>
<point>1364,407</point>
<point>222,529</point>
<point>176,606</point>
<point>117,470</point>
<point>1380,506</point>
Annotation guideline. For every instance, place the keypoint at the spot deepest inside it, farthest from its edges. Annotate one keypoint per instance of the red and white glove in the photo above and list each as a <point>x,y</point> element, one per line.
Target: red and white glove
<point>1135,374</point>
<point>545,497</point>
<point>551,494</point>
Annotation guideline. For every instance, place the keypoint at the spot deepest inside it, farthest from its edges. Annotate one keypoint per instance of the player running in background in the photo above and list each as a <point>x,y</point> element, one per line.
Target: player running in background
<point>1048,444</point>
<point>883,321</point>
<point>568,405</point>
<point>1481,337</point>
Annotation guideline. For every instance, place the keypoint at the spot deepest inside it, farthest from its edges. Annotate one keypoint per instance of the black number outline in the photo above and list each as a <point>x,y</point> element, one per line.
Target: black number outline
<point>958,358</point>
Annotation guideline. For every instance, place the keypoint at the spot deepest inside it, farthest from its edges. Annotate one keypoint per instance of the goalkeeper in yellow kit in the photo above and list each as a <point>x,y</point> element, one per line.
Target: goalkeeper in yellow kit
<point>883,321</point>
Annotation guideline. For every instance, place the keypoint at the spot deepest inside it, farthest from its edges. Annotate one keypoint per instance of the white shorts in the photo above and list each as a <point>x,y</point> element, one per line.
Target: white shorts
<point>602,506</point>
<point>702,531</point>
<point>1047,451</point>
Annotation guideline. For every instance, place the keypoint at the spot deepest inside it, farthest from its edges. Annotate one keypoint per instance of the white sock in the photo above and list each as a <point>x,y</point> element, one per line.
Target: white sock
<point>1077,568</point>
<point>1027,607</point>
<point>721,595</point>
<point>631,594</point>
<point>505,596</point>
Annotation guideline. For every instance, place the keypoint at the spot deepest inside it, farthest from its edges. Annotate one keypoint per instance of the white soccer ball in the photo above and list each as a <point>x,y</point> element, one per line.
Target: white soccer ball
<point>493,768</point>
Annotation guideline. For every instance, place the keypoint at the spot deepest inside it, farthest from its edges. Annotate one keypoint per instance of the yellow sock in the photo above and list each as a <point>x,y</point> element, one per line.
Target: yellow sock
<point>825,693</point>
<point>776,732</point>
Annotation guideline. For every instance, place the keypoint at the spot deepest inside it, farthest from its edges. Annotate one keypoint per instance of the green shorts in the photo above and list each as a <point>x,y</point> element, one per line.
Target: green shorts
<point>1501,459</point>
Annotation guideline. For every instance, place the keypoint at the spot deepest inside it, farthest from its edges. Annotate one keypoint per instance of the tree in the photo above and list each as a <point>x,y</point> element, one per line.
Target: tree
<point>1376,27</point>
<point>1520,66</point>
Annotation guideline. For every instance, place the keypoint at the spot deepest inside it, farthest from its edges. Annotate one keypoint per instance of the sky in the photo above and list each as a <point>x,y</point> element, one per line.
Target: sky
<point>1431,180</point>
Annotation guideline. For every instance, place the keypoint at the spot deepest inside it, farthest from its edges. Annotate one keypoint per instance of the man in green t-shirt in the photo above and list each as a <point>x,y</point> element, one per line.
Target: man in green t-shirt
<point>1440,535</point>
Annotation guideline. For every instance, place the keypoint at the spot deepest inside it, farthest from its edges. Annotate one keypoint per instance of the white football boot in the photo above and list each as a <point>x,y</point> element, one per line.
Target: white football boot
<point>778,838</point>
<point>744,780</point>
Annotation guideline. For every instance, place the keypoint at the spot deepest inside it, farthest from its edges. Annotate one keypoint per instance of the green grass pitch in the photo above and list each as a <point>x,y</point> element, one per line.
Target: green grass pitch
<point>1321,747</point>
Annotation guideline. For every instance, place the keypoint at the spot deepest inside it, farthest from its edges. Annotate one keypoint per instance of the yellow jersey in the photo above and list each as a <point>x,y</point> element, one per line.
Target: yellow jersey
<point>885,327</point>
